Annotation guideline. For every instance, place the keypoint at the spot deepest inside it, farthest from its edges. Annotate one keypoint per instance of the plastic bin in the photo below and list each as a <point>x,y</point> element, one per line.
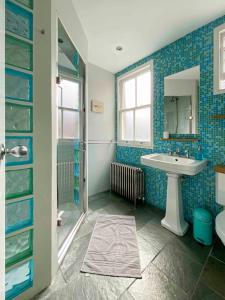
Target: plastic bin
<point>202,226</point>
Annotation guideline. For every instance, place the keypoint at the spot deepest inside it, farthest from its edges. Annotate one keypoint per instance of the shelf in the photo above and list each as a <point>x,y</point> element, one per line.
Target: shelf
<point>218,117</point>
<point>180,139</point>
<point>219,169</point>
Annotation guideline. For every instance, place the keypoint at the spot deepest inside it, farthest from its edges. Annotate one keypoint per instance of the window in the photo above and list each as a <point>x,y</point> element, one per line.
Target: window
<point>222,56</point>
<point>135,106</point>
<point>68,109</point>
<point>219,59</point>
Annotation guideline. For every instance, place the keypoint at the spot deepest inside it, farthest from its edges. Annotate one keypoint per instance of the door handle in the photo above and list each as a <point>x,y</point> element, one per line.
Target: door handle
<point>17,151</point>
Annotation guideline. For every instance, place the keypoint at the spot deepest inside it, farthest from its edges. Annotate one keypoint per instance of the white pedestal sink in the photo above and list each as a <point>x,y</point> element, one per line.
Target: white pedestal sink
<point>175,166</point>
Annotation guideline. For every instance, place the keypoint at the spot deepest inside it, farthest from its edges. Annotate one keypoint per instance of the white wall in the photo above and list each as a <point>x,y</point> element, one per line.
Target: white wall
<point>69,18</point>
<point>101,128</point>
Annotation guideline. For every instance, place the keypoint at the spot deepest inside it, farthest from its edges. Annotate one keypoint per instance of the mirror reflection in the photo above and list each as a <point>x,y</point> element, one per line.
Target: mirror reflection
<point>181,101</point>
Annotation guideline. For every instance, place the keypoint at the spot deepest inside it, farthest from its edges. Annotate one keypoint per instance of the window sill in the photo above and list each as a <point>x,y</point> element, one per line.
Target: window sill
<point>219,91</point>
<point>135,145</point>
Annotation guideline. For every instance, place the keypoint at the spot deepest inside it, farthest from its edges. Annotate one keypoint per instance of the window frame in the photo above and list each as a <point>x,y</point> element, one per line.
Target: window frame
<point>222,55</point>
<point>219,76</point>
<point>61,108</point>
<point>130,75</point>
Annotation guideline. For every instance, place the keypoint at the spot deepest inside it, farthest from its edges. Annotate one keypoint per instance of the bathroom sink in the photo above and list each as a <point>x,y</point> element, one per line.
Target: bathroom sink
<point>174,164</point>
<point>175,167</point>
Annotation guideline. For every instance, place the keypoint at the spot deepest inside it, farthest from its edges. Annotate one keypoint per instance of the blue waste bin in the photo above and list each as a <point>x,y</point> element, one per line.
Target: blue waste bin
<point>202,226</point>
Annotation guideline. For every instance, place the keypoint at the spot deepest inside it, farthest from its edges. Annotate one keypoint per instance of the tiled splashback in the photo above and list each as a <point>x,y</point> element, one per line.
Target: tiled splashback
<point>193,49</point>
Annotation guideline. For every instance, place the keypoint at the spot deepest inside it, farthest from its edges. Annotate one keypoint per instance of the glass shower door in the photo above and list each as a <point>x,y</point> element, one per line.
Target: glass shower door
<point>70,206</point>
<point>70,162</point>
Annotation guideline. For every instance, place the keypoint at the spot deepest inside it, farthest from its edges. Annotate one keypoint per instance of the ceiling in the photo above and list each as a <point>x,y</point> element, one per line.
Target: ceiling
<point>140,26</point>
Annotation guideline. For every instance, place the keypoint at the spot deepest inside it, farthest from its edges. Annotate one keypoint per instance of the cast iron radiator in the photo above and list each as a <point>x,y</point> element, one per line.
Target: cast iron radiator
<point>127,181</point>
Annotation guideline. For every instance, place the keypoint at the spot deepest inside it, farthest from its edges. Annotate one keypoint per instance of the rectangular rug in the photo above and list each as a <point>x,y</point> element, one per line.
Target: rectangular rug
<point>113,248</point>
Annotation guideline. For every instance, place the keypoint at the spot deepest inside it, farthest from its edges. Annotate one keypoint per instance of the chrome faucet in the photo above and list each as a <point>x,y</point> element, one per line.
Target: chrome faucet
<point>177,152</point>
<point>187,153</point>
<point>170,152</point>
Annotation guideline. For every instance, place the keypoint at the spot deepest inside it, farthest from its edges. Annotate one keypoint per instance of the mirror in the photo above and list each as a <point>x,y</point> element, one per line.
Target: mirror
<point>181,102</point>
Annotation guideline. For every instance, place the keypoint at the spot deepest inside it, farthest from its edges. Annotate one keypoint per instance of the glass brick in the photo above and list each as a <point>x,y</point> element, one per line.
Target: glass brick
<point>13,141</point>
<point>18,53</point>
<point>18,85</point>
<point>19,183</point>
<point>27,3</point>
<point>18,280</point>
<point>19,21</point>
<point>18,247</point>
<point>18,118</point>
<point>19,215</point>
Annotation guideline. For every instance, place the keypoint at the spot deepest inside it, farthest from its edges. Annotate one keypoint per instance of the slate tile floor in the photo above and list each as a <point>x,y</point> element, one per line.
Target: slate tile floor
<point>172,267</point>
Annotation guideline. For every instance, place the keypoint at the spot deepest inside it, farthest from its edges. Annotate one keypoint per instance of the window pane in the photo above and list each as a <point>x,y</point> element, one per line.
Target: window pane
<point>70,124</point>
<point>59,95</point>
<point>70,94</point>
<point>128,94</point>
<point>223,41</point>
<point>127,120</point>
<point>144,89</point>
<point>142,125</point>
<point>59,124</point>
<point>223,58</point>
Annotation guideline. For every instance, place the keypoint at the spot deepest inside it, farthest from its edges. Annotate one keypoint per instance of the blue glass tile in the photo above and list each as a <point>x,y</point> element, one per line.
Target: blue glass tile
<point>18,118</point>
<point>195,48</point>
<point>27,3</point>
<point>18,85</point>
<point>18,20</point>
<point>13,141</point>
<point>18,280</point>
<point>19,215</point>
<point>18,53</point>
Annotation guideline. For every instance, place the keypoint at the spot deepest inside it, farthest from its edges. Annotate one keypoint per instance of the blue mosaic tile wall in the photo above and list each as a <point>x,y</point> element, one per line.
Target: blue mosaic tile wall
<point>193,49</point>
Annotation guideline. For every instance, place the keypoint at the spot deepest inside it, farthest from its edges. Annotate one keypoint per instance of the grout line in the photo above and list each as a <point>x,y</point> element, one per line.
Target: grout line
<point>64,278</point>
<point>202,270</point>
<point>127,289</point>
<point>218,259</point>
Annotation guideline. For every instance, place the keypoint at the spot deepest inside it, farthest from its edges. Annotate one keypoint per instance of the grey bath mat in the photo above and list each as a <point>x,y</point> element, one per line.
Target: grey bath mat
<point>113,248</point>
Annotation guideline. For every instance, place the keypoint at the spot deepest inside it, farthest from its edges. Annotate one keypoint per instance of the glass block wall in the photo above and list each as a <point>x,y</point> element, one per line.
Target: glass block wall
<point>19,131</point>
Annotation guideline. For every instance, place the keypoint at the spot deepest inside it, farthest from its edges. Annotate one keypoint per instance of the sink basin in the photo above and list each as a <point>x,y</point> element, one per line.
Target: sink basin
<point>174,164</point>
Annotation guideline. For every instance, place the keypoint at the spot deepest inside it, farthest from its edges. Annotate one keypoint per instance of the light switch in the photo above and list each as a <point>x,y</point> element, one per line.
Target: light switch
<point>97,106</point>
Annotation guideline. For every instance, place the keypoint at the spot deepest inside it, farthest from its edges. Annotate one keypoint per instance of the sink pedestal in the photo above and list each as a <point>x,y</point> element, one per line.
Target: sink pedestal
<point>174,219</point>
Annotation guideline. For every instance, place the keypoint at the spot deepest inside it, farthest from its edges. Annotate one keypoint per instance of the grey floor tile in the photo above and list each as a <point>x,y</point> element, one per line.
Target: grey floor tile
<point>203,292</point>
<point>85,228</point>
<point>57,284</point>
<point>179,267</point>
<point>118,208</point>
<point>166,274</point>
<point>126,296</point>
<point>92,287</point>
<point>155,234</point>
<point>195,250</point>
<point>98,196</point>
<point>219,250</point>
<point>72,263</point>
<point>214,275</point>
<point>142,216</point>
<point>99,203</point>
<point>155,285</point>
<point>147,252</point>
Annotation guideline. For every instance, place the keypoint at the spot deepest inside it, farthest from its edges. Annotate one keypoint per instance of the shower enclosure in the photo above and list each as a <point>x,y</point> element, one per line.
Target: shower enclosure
<point>71,136</point>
